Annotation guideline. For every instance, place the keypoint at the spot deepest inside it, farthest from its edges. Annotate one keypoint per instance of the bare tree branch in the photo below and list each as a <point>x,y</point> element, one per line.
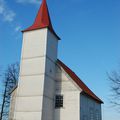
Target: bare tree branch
<point>115,88</point>
<point>9,81</point>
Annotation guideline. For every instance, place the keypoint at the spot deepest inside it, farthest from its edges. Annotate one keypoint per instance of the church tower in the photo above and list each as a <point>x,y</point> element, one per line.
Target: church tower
<point>36,87</point>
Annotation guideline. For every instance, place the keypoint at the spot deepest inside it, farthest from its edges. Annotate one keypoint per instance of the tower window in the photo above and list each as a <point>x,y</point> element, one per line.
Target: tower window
<point>58,101</point>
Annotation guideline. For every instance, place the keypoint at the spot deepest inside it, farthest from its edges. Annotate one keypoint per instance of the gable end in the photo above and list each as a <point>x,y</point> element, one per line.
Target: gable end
<point>79,82</point>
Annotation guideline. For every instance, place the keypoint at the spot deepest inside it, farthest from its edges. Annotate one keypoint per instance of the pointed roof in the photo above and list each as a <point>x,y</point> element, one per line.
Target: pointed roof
<point>42,19</point>
<point>79,82</point>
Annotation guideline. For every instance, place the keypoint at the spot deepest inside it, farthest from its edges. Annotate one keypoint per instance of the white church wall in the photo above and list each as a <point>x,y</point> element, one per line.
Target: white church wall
<point>28,116</point>
<point>27,84</point>
<point>29,104</point>
<point>50,72</point>
<point>90,109</point>
<point>49,86</point>
<point>70,110</point>
<point>64,82</point>
<point>71,97</point>
<point>50,68</point>
<point>29,100</point>
<point>36,89</point>
<point>34,43</point>
<point>52,46</point>
<point>48,108</point>
<point>33,66</point>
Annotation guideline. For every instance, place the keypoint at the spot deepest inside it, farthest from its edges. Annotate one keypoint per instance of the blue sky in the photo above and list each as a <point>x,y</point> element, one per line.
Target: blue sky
<point>90,33</point>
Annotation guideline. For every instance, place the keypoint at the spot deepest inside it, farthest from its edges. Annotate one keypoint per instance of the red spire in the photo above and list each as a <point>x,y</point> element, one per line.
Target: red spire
<point>42,19</point>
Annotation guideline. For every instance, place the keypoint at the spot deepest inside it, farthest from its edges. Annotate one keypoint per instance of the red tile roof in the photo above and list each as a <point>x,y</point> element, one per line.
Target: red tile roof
<point>79,82</point>
<point>42,20</point>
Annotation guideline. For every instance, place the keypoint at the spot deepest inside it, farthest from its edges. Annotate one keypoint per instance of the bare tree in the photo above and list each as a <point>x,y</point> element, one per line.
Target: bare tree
<point>9,81</point>
<point>115,88</point>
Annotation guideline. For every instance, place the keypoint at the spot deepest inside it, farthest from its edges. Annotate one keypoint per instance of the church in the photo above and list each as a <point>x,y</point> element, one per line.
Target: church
<point>47,88</point>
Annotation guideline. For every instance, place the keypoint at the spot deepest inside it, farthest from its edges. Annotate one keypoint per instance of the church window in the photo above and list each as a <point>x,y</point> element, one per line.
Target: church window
<point>58,101</point>
<point>97,115</point>
<point>91,114</point>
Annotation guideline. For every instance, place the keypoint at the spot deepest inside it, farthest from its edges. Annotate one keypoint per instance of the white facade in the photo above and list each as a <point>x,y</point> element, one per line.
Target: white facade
<point>36,88</point>
<point>76,105</point>
<point>71,94</point>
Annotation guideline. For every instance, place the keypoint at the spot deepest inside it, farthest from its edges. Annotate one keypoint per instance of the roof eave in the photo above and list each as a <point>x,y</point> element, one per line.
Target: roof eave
<point>98,101</point>
<point>29,29</point>
<point>79,82</point>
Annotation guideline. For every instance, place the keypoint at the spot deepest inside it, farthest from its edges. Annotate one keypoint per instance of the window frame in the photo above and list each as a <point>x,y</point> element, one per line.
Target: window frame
<point>59,102</point>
